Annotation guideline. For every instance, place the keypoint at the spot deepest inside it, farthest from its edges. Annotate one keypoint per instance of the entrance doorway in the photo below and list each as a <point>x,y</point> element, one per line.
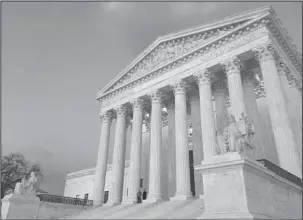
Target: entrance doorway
<point>192,172</point>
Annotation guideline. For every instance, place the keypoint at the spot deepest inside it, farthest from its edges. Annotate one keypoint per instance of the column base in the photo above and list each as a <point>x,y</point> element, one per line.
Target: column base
<point>114,203</point>
<point>153,199</point>
<point>181,197</point>
<point>130,201</point>
<point>237,187</point>
<point>97,204</point>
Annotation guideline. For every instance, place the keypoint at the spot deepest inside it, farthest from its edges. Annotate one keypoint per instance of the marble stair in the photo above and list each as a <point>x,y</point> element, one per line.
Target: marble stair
<point>189,209</point>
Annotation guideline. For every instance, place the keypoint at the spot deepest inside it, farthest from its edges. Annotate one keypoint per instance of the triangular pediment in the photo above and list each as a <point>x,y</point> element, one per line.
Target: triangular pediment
<point>171,46</point>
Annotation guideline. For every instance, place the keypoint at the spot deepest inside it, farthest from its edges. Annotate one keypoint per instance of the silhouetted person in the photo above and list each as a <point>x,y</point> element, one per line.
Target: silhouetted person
<point>139,199</point>
<point>144,194</point>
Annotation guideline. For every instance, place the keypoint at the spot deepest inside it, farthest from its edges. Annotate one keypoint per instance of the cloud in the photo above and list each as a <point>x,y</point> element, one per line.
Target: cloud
<point>116,6</point>
<point>190,9</point>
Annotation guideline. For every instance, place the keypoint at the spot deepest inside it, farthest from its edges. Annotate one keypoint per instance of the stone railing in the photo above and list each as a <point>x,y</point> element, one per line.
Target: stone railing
<point>281,172</point>
<point>65,200</point>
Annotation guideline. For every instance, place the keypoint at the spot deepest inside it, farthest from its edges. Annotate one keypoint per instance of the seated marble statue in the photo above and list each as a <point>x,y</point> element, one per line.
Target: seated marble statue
<point>238,135</point>
<point>27,187</point>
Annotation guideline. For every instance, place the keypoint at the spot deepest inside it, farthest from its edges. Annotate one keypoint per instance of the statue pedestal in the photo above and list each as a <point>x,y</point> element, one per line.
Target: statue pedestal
<point>19,206</point>
<point>239,188</point>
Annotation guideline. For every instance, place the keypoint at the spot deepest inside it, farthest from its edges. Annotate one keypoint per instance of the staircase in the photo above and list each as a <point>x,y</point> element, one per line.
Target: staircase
<point>189,209</point>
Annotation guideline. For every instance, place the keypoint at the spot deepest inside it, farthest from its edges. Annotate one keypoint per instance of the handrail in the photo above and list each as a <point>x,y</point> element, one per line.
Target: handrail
<point>281,172</point>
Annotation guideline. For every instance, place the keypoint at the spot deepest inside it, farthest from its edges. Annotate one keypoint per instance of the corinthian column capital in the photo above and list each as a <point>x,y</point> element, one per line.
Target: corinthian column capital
<point>202,76</point>
<point>179,86</point>
<point>156,97</point>
<point>137,104</point>
<point>121,111</point>
<point>106,116</point>
<point>265,52</point>
<point>232,65</point>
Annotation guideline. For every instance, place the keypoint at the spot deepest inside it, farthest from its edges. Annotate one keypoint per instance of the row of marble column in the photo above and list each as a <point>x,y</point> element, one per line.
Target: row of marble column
<point>284,138</point>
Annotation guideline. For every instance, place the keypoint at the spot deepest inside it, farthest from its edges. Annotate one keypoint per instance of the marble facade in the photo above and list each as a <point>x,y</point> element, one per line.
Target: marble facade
<point>244,64</point>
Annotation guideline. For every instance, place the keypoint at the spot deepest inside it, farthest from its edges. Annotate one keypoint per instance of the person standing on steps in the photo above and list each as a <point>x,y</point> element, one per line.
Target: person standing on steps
<point>139,199</point>
<point>144,194</point>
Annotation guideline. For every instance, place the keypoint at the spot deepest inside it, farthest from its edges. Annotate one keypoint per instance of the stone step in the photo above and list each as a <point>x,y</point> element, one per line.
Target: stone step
<point>189,209</point>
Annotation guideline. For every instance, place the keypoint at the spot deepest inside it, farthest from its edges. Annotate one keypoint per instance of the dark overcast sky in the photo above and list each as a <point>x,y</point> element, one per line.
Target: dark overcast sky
<point>56,56</point>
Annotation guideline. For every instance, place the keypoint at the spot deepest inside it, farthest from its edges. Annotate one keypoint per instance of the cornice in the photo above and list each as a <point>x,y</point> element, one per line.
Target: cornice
<point>219,23</point>
<point>284,41</point>
<point>199,51</point>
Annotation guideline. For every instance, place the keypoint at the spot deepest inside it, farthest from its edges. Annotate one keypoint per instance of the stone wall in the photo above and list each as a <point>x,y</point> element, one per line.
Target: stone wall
<point>272,196</point>
<point>56,210</point>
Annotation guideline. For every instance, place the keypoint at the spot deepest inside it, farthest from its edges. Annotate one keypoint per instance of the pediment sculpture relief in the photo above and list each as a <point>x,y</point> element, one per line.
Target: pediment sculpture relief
<point>238,136</point>
<point>169,50</point>
<point>27,186</point>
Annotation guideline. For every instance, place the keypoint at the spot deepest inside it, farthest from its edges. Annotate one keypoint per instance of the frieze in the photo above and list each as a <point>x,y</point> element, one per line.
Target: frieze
<point>227,43</point>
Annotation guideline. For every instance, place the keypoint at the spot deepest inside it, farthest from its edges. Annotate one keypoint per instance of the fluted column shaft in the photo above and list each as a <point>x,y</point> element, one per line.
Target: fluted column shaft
<point>232,68</point>
<point>155,193</point>
<point>101,167</point>
<point>284,138</point>
<point>118,166</point>
<point>196,138</point>
<point>209,138</point>
<point>183,190</point>
<point>172,150</point>
<point>135,151</point>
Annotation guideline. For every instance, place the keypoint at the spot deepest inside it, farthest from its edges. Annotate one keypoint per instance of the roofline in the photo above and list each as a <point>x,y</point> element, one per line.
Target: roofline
<point>181,33</point>
<point>90,171</point>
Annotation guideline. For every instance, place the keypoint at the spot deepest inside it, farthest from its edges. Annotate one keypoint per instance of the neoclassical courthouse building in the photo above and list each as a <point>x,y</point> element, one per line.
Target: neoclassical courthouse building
<point>166,115</point>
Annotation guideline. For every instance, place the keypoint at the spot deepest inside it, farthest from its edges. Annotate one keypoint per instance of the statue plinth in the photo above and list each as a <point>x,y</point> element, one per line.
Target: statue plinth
<point>16,206</point>
<point>238,187</point>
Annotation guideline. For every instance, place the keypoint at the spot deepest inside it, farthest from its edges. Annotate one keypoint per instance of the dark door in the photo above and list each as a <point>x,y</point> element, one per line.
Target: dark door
<point>105,196</point>
<point>191,170</point>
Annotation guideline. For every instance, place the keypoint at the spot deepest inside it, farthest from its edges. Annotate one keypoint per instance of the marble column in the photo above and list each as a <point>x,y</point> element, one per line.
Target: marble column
<point>258,142</point>
<point>172,149</point>
<point>101,167</point>
<point>135,151</point>
<point>220,91</point>
<point>293,102</point>
<point>232,68</point>
<point>155,193</point>
<point>146,153</point>
<point>284,137</point>
<point>209,138</point>
<point>183,191</point>
<point>118,165</point>
<point>196,138</point>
